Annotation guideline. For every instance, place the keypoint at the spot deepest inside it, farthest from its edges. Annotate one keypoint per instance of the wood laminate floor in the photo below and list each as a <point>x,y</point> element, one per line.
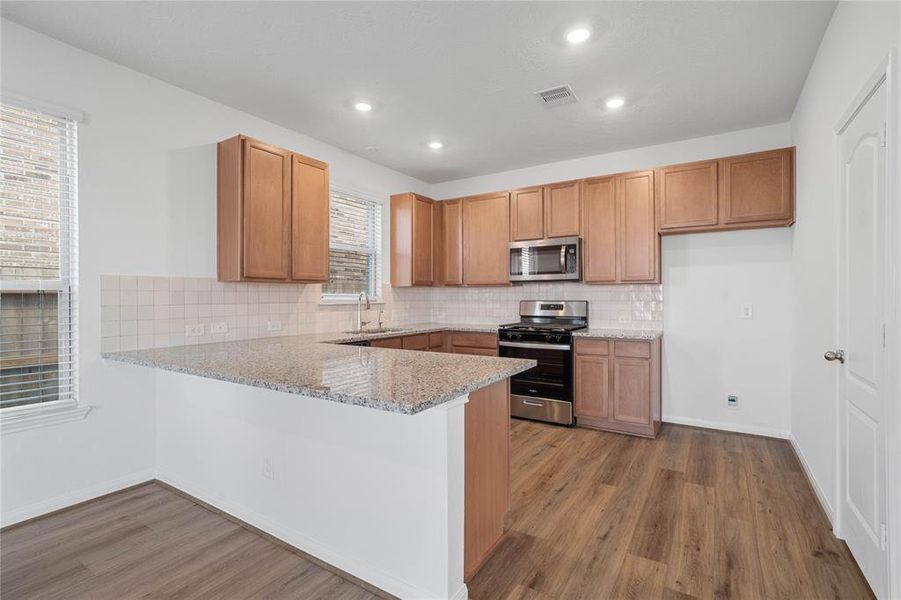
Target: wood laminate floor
<point>695,513</point>
<point>692,514</point>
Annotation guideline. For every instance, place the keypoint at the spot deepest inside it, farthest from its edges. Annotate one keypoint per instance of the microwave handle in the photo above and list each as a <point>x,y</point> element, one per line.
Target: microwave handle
<point>563,258</point>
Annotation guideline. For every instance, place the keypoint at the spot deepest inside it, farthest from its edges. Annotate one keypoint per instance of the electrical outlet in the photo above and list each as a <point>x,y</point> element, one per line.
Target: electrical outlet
<point>193,330</point>
<point>219,327</point>
<point>268,467</point>
<point>274,326</point>
<point>747,311</point>
<point>732,401</point>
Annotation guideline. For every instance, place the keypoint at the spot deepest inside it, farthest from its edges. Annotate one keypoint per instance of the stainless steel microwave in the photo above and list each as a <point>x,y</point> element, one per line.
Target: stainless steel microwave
<point>554,259</point>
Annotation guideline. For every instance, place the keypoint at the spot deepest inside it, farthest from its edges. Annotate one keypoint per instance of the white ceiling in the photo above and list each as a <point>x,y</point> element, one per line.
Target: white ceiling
<point>464,72</point>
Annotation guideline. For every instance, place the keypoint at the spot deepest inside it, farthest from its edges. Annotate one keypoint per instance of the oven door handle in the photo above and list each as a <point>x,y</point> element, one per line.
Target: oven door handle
<point>538,346</point>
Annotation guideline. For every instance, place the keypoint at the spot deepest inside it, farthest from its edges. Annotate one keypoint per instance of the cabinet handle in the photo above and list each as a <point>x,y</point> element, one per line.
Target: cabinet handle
<point>533,403</point>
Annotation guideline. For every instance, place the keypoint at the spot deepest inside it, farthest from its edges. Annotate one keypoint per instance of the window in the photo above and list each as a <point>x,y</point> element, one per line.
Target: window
<point>355,247</point>
<point>38,261</point>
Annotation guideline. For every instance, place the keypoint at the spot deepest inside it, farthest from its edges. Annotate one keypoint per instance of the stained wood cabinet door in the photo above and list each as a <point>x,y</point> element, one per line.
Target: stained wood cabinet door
<point>486,235</point>
<point>394,342</point>
<point>423,273</point>
<point>267,206</point>
<point>562,209</point>
<point>757,188</point>
<point>416,342</point>
<point>687,195</point>
<point>412,259</point>
<point>452,242</point>
<point>527,214</point>
<point>632,390</point>
<point>639,245</point>
<point>309,219</point>
<point>599,229</point>
<point>592,383</point>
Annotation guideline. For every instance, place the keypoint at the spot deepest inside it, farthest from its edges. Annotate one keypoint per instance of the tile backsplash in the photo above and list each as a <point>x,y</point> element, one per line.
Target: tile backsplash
<point>146,312</point>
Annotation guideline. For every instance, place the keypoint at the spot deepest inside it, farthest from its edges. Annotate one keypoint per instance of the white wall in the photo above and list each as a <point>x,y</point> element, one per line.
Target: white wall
<point>858,38</point>
<point>388,501</point>
<point>147,207</point>
<point>709,352</point>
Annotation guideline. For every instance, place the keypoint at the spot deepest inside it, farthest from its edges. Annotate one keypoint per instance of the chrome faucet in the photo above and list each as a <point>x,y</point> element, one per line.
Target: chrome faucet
<point>360,321</point>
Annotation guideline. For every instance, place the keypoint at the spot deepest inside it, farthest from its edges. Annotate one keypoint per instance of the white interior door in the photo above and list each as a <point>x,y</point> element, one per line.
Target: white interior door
<point>862,480</point>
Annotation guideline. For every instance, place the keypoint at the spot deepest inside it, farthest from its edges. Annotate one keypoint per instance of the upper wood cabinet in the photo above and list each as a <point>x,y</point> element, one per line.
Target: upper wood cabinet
<point>737,192</point>
<point>562,209</point>
<point>758,188</point>
<point>412,231</point>
<point>687,195</point>
<point>451,231</point>
<point>486,238</point>
<point>599,227</point>
<point>638,245</point>
<point>527,214</point>
<point>309,219</point>
<point>272,213</point>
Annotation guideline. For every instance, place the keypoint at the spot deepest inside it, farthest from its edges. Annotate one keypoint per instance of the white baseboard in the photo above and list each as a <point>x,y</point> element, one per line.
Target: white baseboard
<point>11,517</point>
<point>736,427</point>
<point>817,489</point>
<point>299,540</point>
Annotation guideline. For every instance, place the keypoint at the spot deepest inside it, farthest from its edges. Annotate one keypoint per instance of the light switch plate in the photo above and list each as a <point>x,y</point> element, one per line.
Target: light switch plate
<point>193,330</point>
<point>747,311</point>
<point>219,327</point>
<point>274,326</point>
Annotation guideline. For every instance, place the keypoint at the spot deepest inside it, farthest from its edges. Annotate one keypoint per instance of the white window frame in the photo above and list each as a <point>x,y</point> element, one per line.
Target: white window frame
<point>29,416</point>
<point>376,298</point>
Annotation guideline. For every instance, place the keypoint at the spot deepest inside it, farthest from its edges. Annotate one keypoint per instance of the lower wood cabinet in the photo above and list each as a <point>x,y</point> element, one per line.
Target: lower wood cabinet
<point>394,342</point>
<point>617,385</point>
<point>481,344</point>
<point>436,341</point>
<point>415,342</point>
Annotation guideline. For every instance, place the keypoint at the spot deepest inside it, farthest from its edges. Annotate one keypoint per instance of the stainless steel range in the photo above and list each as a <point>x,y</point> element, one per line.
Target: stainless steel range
<point>544,333</point>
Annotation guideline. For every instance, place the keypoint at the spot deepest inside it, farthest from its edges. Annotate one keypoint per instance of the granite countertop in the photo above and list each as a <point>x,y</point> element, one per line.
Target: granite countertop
<point>401,381</point>
<point>647,334</point>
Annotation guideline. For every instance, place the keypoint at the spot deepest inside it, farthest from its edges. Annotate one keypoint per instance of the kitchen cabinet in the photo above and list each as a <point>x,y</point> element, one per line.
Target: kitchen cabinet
<point>527,214</point>
<point>412,257</point>
<point>394,342</point>
<point>482,344</point>
<point>451,234</point>
<point>617,386</point>
<point>688,195</point>
<point>419,341</point>
<point>599,230</point>
<point>309,219</point>
<point>620,243</point>
<point>272,213</point>
<point>638,244</point>
<point>436,341</point>
<point>757,189</point>
<point>486,238</point>
<point>737,192</point>
<point>562,209</point>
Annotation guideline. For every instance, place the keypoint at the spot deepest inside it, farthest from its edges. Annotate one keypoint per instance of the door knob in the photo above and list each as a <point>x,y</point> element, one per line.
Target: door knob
<point>838,355</point>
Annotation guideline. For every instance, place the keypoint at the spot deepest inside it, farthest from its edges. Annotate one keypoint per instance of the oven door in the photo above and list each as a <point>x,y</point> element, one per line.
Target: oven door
<point>544,392</point>
<point>545,260</point>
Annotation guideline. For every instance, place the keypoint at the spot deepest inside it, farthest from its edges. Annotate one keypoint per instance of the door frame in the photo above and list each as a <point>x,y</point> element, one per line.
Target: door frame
<point>884,73</point>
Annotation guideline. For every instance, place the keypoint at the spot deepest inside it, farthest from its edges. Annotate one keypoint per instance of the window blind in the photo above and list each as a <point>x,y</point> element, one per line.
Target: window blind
<point>38,257</point>
<point>355,246</point>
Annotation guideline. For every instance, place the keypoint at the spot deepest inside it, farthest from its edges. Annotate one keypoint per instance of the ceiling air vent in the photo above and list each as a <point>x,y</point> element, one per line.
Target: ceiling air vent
<point>557,96</point>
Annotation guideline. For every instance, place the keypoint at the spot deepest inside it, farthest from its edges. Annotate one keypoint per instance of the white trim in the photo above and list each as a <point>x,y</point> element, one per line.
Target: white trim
<point>782,434</point>
<point>461,594</point>
<point>365,571</point>
<point>30,416</point>
<point>43,106</point>
<point>66,500</point>
<point>814,483</point>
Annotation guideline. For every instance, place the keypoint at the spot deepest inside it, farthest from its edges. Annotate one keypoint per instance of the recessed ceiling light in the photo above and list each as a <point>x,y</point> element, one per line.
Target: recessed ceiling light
<point>363,106</point>
<point>577,35</point>
<point>615,102</point>
<point>436,145</point>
